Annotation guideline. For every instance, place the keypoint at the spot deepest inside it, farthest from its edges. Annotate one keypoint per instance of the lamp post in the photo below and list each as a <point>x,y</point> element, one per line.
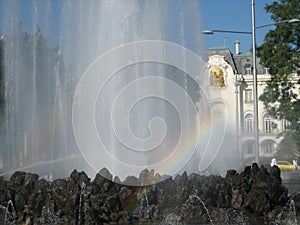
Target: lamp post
<point>255,92</point>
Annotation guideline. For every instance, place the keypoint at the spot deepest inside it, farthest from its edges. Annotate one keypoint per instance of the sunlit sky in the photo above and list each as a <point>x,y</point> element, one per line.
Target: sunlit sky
<point>233,15</point>
<point>216,14</point>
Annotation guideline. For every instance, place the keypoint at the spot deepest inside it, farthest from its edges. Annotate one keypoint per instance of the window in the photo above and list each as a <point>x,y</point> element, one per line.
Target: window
<point>285,92</point>
<point>248,96</point>
<point>249,123</point>
<point>267,147</point>
<point>268,124</point>
<point>248,70</point>
<point>248,147</point>
<point>285,124</point>
<point>266,70</point>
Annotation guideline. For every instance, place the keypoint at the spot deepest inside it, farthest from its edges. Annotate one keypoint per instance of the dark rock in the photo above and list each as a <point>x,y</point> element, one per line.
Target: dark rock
<point>254,167</point>
<point>146,177</point>
<point>276,174</point>
<point>124,217</point>
<point>113,203</point>
<point>231,173</point>
<point>3,191</point>
<point>17,178</point>
<point>296,200</point>
<point>251,197</point>
<point>131,180</point>
<point>195,210</point>
<point>117,180</point>
<point>257,202</point>
<point>106,174</point>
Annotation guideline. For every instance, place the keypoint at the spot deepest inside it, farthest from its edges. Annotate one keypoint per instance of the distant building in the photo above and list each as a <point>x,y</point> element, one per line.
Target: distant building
<point>232,75</point>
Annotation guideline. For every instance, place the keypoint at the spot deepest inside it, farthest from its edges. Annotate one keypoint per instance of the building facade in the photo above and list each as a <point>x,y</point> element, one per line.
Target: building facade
<point>232,74</point>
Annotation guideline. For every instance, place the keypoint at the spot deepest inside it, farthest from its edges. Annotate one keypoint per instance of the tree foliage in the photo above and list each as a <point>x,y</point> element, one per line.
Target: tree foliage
<point>288,149</point>
<point>280,52</point>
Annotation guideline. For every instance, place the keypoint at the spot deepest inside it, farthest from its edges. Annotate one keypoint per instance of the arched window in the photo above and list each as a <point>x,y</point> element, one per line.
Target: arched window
<point>248,70</point>
<point>249,123</point>
<point>268,124</point>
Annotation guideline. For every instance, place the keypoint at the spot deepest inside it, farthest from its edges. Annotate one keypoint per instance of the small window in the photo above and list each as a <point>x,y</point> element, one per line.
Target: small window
<point>249,123</point>
<point>248,96</point>
<point>285,124</point>
<point>268,147</point>
<point>268,124</point>
<point>248,147</point>
<point>266,70</point>
<point>248,71</point>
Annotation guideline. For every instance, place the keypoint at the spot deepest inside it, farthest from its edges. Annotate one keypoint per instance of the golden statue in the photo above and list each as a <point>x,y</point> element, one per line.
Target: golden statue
<point>217,77</point>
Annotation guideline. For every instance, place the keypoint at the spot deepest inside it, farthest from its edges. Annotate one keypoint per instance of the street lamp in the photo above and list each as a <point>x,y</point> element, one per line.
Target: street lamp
<point>255,93</point>
<point>225,31</point>
<point>294,20</point>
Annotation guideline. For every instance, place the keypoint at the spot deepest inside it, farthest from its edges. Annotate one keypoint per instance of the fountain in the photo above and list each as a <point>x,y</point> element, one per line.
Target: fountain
<point>292,208</point>
<point>197,207</point>
<point>80,213</point>
<point>116,86</point>
<point>121,57</point>
<point>9,212</point>
<point>289,214</point>
<point>144,211</point>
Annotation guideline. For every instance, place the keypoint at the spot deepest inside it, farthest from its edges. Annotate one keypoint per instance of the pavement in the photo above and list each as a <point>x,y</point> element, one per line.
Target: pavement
<point>291,179</point>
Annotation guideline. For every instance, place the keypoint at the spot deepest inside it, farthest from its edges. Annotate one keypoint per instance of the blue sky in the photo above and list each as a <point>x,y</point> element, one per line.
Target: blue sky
<point>216,14</point>
<point>233,15</point>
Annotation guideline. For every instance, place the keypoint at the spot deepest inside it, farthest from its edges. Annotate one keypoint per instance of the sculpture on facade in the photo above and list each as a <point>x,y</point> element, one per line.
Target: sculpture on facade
<point>217,77</point>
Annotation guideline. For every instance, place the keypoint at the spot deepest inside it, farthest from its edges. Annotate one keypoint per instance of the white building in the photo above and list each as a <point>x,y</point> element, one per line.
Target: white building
<point>231,73</point>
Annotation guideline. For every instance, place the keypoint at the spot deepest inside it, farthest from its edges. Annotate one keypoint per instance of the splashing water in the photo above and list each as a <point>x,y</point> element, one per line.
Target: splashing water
<point>144,206</point>
<point>195,200</point>
<point>80,213</point>
<point>9,214</point>
<point>292,217</point>
<point>124,88</point>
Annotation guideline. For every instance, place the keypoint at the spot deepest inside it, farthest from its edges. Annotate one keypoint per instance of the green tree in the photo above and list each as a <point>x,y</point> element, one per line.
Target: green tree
<point>280,52</point>
<point>288,149</point>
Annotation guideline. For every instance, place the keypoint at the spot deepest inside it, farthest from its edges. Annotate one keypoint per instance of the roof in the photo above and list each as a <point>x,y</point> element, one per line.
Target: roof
<point>238,62</point>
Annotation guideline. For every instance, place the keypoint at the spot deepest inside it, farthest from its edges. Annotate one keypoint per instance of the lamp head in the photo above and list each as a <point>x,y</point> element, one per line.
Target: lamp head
<point>294,20</point>
<point>207,32</point>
